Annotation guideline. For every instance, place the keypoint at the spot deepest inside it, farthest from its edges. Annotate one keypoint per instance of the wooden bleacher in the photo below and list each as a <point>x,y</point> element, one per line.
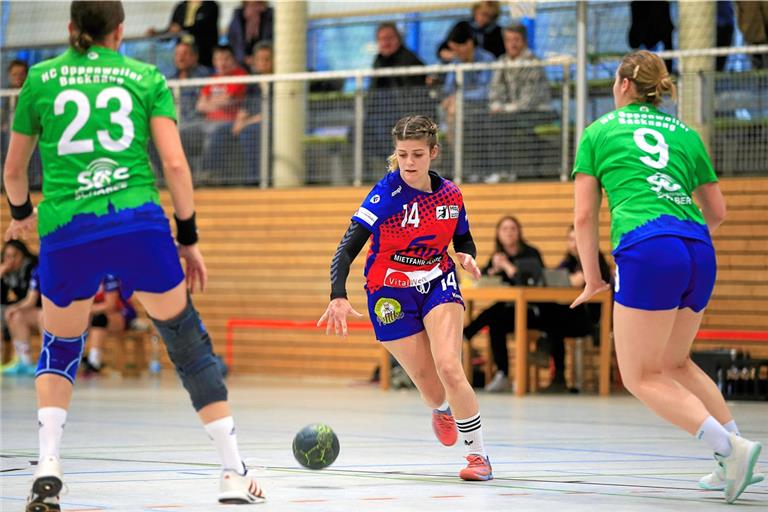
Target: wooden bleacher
<point>268,254</point>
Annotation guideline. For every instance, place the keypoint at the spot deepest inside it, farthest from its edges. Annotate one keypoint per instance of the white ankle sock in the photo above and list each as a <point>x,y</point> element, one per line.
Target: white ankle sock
<point>94,357</point>
<point>22,350</point>
<point>222,432</point>
<point>51,421</point>
<point>713,433</point>
<point>443,407</point>
<point>471,433</point>
<point>732,428</point>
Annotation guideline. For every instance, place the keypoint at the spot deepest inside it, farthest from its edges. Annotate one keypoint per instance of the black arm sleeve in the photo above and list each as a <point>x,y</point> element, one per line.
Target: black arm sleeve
<point>464,243</point>
<point>350,246</point>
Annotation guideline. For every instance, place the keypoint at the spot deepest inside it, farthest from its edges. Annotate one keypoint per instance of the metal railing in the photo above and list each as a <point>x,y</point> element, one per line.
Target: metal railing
<point>347,135</point>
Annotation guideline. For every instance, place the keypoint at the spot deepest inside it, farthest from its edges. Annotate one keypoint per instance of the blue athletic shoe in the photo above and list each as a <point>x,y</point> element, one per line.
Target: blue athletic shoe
<point>20,369</point>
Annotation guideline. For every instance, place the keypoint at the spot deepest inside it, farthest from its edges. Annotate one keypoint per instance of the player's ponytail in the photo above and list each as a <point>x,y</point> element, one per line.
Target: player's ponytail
<point>650,76</point>
<point>413,128</point>
<point>92,21</point>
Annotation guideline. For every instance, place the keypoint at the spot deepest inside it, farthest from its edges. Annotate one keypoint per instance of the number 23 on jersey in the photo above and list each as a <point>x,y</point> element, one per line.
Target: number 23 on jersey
<point>69,145</point>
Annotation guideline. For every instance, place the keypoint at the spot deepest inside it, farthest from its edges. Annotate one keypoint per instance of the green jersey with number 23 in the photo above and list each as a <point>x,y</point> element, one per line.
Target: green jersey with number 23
<point>91,112</point>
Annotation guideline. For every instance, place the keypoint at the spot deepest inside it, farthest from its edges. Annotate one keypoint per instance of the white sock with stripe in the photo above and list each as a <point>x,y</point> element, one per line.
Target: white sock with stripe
<point>471,433</point>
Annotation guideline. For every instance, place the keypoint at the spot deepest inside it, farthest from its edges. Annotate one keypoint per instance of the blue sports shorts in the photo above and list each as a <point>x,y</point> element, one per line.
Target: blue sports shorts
<point>145,261</point>
<point>399,312</point>
<point>665,272</point>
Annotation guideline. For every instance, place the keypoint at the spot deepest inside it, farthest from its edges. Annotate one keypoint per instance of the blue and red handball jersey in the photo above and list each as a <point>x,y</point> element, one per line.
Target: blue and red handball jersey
<point>410,230</point>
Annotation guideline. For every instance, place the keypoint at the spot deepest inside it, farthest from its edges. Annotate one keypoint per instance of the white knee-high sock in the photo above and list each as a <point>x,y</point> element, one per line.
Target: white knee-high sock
<point>471,433</point>
<point>51,421</point>
<point>713,433</point>
<point>222,432</point>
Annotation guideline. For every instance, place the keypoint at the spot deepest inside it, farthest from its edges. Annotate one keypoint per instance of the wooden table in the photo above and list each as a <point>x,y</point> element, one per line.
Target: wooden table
<point>521,296</point>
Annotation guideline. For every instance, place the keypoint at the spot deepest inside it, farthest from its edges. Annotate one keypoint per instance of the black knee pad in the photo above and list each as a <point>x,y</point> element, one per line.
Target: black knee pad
<point>189,347</point>
<point>99,320</point>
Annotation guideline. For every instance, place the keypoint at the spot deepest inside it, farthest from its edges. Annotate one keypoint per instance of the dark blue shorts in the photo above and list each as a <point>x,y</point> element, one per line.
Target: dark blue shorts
<point>665,272</point>
<point>399,312</point>
<point>145,261</point>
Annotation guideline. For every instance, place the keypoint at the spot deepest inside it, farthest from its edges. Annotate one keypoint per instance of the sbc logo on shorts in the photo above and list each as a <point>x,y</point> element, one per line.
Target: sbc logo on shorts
<point>388,310</point>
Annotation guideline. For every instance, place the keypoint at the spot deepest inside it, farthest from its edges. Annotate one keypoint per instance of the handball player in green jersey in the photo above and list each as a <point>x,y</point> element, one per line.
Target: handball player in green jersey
<point>92,112</point>
<point>651,166</point>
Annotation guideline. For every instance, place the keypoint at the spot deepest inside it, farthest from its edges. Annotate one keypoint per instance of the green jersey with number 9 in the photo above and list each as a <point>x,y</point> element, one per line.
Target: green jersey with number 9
<point>92,114</point>
<point>649,164</point>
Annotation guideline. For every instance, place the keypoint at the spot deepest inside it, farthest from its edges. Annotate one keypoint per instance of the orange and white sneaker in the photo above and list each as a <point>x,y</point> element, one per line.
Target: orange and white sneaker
<point>445,427</point>
<point>478,469</point>
<point>235,488</point>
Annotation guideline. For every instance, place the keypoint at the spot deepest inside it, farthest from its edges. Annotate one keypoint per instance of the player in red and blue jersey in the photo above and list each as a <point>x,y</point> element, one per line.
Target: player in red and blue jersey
<point>414,302</point>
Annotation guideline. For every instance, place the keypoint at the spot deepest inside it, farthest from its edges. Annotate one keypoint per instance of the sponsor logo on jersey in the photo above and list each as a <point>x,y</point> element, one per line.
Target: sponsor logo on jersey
<point>375,199</point>
<point>447,212</point>
<point>388,311</point>
<point>396,279</point>
<point>665,187</point>
<point>101,177</point>
<point>417,262</point>
<point>366,215</point>
<point>397,190</point>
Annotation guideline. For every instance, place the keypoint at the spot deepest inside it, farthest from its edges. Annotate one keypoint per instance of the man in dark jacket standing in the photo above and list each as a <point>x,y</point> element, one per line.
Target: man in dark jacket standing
<point>391,97</point>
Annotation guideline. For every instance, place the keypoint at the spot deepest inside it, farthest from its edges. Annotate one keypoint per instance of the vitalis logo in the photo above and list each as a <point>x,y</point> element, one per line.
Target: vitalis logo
<point>102,176</point>
<point>447,212</point>
<point>397,190</point>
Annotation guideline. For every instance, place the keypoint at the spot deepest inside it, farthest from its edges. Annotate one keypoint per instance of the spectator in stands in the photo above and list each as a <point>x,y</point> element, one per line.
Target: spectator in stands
<point>247,126</point>
<point>391,97</point>
<point>725,26</point>
<point>110,313</point>
<point>201,20</point>
<point>191,121</point>
<point>17,268</point>
<point>487,33</point>
<point>558,321</point>
<point>519,99</point>
<point>220,103</point>
<point>651,24</point>
<point>510,249</point>
<point>753,23</point>
<point>462,43</point>
<point>251,23</point>
<point>17,71</point>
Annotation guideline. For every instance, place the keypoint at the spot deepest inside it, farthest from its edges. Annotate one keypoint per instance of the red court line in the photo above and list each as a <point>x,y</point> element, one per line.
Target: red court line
<point>280,325</point>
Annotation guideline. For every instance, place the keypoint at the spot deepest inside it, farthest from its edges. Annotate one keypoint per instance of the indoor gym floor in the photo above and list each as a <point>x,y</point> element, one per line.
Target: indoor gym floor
<point>135,445</point>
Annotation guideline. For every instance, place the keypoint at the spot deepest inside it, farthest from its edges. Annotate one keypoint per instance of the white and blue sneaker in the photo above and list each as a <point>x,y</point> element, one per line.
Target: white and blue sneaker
<point>715,481</point>
<point>739,466</point>
<point>46,487</point>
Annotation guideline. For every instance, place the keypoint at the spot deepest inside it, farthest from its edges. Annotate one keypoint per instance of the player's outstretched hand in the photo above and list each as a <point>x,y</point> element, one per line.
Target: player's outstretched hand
<point>18,228</point>
<point>469,264</point>
<point>196,270</point>
<point>590,290</point>
<point>335,317</point>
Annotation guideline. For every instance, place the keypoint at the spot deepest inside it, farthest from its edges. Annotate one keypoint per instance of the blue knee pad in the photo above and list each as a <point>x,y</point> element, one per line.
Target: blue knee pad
<point>189,347</point>
<point>61,356</point>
